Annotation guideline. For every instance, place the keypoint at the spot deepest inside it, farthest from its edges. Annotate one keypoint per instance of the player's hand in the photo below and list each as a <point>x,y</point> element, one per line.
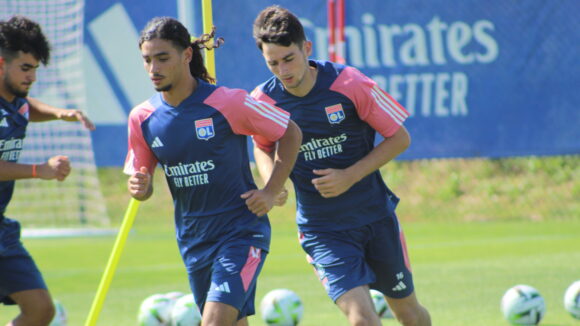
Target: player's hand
<point>77,115</point>
<point>139,184</point>
<point>332,182</point>
<point>57,167</point>
<point>259,201</point>
<point>282,197</point>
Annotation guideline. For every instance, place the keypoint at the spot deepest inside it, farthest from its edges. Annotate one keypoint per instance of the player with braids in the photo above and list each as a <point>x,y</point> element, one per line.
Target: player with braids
<point>197,133</point>
<point>22,47</point>
<point>345,212</point>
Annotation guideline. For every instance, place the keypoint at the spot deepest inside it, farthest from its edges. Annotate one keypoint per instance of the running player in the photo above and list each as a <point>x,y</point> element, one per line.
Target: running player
<point>345,212</point>
<point>22,47</point>
<point>197,132</point>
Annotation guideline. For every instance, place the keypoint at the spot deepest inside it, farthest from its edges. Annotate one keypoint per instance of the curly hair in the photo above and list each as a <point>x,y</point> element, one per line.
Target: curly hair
<point>22,34</point>
<point>170,29</point>
<point>279,26</point>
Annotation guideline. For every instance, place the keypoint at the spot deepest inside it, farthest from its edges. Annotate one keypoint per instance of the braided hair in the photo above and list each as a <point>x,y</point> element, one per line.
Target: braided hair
<point>170,29</point>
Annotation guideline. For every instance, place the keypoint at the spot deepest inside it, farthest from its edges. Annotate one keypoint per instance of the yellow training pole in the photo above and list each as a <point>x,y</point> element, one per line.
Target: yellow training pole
<point>112,264</point>
<point>207,26</point>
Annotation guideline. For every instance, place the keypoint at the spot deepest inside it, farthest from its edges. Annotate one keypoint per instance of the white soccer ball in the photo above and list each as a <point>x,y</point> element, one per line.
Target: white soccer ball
<point>381,306</point>
<point>281,307</point>
<point>155,310</point>
<point>572,299</point>
<point>523,305</point>
<point>60,316</point>
<point>185,312</point>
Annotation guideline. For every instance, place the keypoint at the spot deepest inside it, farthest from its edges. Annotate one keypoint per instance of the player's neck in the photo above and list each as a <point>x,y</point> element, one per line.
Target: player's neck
<point>180,92</point>
<point>307,83</point>
<point>6,95</point>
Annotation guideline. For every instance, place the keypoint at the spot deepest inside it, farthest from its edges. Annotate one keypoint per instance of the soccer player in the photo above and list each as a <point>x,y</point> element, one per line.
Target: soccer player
<point>197,132</point>
<point>345,212</point>
<point>22,47</point>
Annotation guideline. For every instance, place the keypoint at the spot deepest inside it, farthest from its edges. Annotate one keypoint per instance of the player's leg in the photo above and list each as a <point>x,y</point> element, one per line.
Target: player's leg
<point>408,311</point>
<point>217,313</point>
<point>338,258</point>
<point>36,307</point>
<point>387,256</point>
<point>20,280</point>
<point>231,293</point>
<point>358,307</point>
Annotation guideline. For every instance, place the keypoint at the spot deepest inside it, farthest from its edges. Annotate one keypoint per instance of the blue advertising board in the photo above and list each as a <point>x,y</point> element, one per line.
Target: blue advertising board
<point>480,78</point>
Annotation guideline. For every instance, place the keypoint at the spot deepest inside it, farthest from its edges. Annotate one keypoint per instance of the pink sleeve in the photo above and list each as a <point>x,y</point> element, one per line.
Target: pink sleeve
<point>139,153</point>
<point>248,116</point>
<point>374,106</point>
<point>24,110</point>
<point>261,142</point>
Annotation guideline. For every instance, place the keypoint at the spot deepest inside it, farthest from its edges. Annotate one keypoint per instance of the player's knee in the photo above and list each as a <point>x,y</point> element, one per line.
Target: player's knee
<point>41,314</point>
<point>413,317</point>
<point>362,319</point>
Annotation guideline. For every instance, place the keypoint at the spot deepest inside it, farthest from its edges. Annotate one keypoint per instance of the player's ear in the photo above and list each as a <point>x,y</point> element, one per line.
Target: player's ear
<point>2,64</point>
<point>187,54</point>
<point>307,47</point>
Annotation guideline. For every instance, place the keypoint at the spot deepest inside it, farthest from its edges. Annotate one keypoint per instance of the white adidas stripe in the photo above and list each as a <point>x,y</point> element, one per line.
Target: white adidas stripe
<point>383,107</point>
<point>268,107</point>
<point>389,107</point>
<point>393,105</point>
<point>267,113</point>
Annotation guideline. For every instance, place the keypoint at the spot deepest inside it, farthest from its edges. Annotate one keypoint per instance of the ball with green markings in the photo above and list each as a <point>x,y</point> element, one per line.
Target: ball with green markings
<point>281,307</point>
<point>523,305</point>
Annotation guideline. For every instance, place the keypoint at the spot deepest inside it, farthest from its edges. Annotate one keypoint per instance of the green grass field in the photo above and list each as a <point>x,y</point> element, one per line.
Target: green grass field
<point>462,266</point>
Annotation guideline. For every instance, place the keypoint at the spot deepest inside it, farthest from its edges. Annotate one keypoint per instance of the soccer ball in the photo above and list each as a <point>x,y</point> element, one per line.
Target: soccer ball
<point>185,312</point>
<point>281,307</point>
<point>523,305</point>
<point>381,306</point>
<point>155,310</point>
<point>572,299</point>
<point>60,316</point>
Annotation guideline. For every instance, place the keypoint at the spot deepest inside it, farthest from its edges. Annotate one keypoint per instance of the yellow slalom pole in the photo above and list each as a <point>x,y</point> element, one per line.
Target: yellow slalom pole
<point>113,261</point>
<point>207,26</point>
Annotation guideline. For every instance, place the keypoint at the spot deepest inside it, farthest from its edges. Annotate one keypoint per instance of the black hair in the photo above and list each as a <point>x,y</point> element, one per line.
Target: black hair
<point>279,26</point>
<point>170,29</point>
<point>22,34</point>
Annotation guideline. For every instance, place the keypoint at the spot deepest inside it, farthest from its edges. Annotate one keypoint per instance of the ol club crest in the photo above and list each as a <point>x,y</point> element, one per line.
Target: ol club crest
<point>204,129</point>
<point>334,113</point>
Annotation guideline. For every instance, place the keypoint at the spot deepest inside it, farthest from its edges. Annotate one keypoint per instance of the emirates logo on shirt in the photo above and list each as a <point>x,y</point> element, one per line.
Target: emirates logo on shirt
<point>204,129</point>
<point>334,113</point>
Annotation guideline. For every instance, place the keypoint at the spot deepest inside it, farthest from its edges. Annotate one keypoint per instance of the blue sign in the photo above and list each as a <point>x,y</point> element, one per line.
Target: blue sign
<point>494,78</point>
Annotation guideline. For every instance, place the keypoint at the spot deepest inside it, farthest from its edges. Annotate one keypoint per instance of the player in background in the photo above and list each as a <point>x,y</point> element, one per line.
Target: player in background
<point>196,132</point>
<point>345,212</point>
<point>22,47</point>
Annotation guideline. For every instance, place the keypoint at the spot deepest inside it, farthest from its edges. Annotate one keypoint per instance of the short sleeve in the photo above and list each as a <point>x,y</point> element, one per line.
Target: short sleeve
<point>139,154</point>
<point>265,122</point>
<point>374,106</point>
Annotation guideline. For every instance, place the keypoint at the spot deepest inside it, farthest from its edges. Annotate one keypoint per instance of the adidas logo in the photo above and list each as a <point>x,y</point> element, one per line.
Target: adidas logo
<point>400,287</point>
<point>224,287</point>
<point>4,123</point>
<point>156,143</point>
<point>3,112</point>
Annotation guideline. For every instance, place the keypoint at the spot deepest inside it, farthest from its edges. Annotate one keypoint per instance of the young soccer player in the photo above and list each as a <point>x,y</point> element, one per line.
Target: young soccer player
<point>22,47</point>
<point>197,132</point>
<point>345,212</point>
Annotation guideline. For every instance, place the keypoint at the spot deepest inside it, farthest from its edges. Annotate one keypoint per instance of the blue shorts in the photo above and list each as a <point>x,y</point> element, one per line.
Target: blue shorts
<point>373,255</point>
<point>230,277</point>
<point>18,272</point>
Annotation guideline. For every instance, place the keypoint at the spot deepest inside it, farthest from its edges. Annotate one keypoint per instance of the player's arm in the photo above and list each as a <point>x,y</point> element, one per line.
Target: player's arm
<point>57,167</point>
<point>40,111</point>
<point>265,164</point>
<point>333,182</point>
<point>140,184</point>
<point>274,168</point>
